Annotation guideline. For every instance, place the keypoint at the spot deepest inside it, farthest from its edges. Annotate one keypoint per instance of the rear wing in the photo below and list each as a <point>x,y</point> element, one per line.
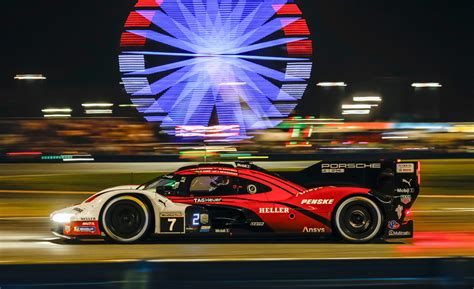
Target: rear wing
<point>387,177</point>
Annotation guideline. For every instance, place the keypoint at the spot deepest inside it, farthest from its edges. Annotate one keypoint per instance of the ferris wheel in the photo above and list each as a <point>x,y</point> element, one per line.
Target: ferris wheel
<point>241,63</point>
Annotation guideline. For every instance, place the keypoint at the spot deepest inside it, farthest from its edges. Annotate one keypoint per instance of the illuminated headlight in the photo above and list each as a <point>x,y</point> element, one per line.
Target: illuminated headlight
<point>62,218</point>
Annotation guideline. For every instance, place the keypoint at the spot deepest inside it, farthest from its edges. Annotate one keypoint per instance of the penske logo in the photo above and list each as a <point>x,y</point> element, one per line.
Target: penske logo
<point>317,201</point>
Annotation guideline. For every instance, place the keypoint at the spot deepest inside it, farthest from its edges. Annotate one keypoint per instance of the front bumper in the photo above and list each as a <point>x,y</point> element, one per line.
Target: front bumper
<point>76,225</point>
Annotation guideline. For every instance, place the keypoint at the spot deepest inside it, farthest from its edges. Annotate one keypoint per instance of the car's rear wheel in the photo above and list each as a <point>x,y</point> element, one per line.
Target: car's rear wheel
<point>126,219</point>
<point>358,219</point>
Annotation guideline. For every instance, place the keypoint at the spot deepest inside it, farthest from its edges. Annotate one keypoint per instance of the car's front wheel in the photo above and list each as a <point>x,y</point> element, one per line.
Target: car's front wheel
<point>126,219</point>
<point>358,219</point>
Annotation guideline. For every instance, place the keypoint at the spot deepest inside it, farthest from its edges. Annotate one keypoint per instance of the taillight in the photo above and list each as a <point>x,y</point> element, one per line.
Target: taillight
<point>418,173</point>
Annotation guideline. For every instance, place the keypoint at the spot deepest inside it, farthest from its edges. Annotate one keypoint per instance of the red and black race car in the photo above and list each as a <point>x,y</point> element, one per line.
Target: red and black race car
<point>357,201</point>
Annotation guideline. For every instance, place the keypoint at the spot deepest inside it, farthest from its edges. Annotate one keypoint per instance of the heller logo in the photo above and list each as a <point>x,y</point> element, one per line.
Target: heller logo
<point>317,201</point>
<point>274,210</point>
<point>313,230</point>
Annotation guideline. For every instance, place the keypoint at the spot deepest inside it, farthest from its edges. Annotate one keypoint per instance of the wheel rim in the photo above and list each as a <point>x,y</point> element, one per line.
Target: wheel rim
<point>358,219</point>
<point>125,219</point>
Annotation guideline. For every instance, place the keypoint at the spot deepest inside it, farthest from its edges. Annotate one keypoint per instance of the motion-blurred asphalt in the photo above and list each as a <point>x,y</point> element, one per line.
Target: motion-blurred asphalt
<point>444,226</point>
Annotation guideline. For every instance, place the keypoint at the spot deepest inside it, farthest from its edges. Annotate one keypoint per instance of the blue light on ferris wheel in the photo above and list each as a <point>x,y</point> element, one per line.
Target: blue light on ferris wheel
<point>232,62</point>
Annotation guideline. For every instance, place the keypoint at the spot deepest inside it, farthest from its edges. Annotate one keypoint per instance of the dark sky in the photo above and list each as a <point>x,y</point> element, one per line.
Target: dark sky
<point>75,44</point>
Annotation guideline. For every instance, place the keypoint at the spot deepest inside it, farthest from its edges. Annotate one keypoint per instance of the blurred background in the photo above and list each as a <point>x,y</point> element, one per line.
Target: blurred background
<point>81,109</point>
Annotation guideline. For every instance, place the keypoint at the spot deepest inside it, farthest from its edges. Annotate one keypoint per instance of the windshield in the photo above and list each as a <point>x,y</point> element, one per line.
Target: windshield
<point>160,182</point>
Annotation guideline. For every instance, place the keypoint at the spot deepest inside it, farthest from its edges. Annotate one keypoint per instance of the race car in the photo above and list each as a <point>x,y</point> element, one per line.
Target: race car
<point>355,201</point>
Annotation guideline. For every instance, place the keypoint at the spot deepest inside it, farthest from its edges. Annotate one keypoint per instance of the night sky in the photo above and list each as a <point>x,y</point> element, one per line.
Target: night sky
<point>76,43</point>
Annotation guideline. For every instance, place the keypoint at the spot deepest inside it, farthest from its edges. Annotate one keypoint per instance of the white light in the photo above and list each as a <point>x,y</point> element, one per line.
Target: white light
<point>358,112</point>
<point>129,105</point>
<point>52,110</point>
<point>367,98</point>
<point>57,115</point>
<point>29,77</point>
<point>79,160</point>
<point>426,84</point>
<point>395,137</point>
<point>62,218</point>
<point>332,84</point>
<point>358,106</point>
<point>97,104</point>
<point>98,111</point>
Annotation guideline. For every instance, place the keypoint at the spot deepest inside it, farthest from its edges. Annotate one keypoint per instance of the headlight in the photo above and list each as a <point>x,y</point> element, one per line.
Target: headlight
<point>62,218</point>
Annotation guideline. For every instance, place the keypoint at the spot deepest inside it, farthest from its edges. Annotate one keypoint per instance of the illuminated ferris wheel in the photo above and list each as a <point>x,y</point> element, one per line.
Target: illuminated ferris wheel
<point>241,63</point>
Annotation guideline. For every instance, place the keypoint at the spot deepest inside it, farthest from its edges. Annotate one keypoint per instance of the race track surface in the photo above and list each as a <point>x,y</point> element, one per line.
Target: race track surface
<point>444,226</point>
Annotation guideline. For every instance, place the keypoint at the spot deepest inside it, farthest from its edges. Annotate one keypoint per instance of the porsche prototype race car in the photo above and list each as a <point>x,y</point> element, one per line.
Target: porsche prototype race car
<point>357,201</point>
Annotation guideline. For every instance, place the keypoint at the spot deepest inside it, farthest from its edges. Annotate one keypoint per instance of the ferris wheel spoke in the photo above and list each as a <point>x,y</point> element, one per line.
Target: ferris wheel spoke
<point>265,71</point>
<point>263,31</point>
<point>176,29</point>
<point>267,44</point>
<point>166,67</point>
<point>168,40</point>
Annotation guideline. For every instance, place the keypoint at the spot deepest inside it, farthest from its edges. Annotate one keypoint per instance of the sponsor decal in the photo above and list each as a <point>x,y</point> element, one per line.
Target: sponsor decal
<point>87,219</point>
<point>205,229</point>
<point>84,229</point>
<point>171,214</point>
<point>274,210</point>
<point>393,233</point>
<point>394,225</point>
<point>241,165</point>
<point>405,168</point>
<point>341,168</point>
<point>405,190</point>
<point>314,230</point>
<point>204,219</point>
<point>88,224</point>
<point>67,229</point>
<point>257,224</point>
<point>222,230</point>
<point>405,199</point>
<point>207,200</point>
<point>407,181</point>
<point>399,211</point>
<point>317,201</point>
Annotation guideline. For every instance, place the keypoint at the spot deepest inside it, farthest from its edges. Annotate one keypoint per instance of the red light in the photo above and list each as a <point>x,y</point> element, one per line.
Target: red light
<point>288,9</point>
<point>408,212</point>
<point>418,173</point>
<point>149,3</point>
<point>298,27</point>
<point>300,48</point>
<point>91,198</point>
<point>137,20</point>
<point>24,154</point>
<point>130,39</point>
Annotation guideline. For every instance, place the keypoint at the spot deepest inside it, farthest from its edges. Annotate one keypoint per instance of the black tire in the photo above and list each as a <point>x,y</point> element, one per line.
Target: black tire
<point>358,219</point>
<point>126,219</point>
